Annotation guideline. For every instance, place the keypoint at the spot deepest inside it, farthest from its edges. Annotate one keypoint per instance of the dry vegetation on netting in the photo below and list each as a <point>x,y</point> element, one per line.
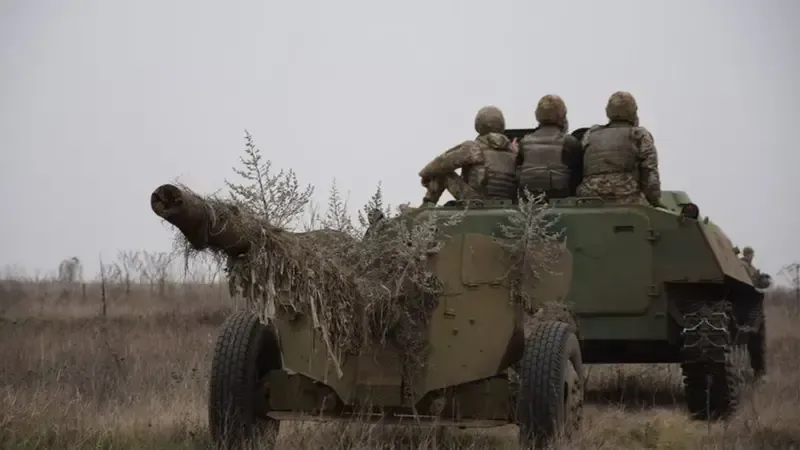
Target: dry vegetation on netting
<point>354,283</point>
<point>535,242</point>
<point>360,283</point>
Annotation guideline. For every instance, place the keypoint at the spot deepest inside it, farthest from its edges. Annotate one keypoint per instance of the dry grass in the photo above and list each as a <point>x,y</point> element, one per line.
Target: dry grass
<point>137,379</point>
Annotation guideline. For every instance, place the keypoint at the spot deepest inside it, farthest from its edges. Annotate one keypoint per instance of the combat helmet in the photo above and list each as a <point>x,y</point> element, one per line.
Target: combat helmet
<point>551,110</point>
<point>747,251</point>
<point>489,120</point>
<point>622,106</point>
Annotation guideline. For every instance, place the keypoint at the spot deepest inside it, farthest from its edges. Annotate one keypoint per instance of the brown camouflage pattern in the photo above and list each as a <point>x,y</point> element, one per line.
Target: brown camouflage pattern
<point>439,174</point>
<point>551,110</point>
<point>622,107</point>
<point>649,177</point>
<point>495,141</point>
<point>490,119</point>
<point>747,262</point>
<point>618,188</point>
<point>459,188</point>
<point>467,153</point>
<point>475,174</point>
<point>754,273</point>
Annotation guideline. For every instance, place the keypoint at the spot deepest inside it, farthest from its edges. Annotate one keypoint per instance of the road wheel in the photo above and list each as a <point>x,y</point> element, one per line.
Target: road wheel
<point>245,352</point>
<point>550,399</point>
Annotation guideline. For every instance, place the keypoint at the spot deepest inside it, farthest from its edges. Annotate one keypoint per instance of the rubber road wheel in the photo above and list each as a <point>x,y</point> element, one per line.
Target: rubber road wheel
<point>245,351</point>
<point>550,400</point>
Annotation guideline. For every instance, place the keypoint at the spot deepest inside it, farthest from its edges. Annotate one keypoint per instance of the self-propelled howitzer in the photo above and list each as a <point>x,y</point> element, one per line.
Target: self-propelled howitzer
<point>663,285</point>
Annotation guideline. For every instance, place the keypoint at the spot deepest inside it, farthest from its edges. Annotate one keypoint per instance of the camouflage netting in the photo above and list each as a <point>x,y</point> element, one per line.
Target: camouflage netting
<point>535,241</point>
<point>355,289</point>
<point>358,284</point>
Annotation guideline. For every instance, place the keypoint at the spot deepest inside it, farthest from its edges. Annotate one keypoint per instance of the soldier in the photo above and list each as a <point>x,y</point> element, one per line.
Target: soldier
<point>620,160</point>
<point>760,280</point>
<point>756,345</point>
<point>747,261</point>
<point>487,164</point>
<point>550,161</point>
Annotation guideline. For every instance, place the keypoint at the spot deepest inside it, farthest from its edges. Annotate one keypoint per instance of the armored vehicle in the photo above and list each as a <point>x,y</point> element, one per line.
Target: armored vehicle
<point>663,285</point>
<point>488,365</point>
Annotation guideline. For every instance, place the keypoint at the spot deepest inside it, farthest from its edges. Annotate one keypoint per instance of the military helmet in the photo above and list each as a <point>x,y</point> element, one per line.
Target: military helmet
<point>490,120</point>
<point>622,106</point>
<point>747,250</point>
<point>551,110</point>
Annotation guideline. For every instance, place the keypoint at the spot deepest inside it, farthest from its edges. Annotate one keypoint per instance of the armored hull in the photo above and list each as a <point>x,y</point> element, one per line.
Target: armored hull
<point>663,285</point>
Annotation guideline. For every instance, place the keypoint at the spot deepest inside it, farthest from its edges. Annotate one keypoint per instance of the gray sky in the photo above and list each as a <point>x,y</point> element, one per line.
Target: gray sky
<point>101,101</point>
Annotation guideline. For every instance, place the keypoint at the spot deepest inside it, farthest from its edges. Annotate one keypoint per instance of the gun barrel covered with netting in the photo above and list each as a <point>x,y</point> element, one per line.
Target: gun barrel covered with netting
<point>207,224</point>
<point>360,314</point>
<point>267,263</point>
<point>220,226</point>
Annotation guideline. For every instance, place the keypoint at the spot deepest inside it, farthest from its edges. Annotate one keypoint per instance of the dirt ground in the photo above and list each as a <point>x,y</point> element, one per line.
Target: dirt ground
<point>136,379</point>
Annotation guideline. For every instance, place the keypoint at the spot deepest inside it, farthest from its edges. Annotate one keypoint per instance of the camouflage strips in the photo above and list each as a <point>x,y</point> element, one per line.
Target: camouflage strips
<point>332,276</point>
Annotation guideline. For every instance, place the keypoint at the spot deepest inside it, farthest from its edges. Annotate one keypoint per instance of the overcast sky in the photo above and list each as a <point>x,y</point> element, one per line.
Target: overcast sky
<point>103,100</point>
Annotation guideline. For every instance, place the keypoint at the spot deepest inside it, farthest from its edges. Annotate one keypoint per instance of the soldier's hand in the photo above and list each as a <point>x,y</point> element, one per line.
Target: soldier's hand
<point>514,146</point>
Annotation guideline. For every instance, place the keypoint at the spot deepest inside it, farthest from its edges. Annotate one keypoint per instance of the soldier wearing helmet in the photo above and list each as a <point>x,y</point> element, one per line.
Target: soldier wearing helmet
<point>550,161</point>
<point>756,344</point>
<point>620,161</point>
<point>747,255</point>
<point>487,164</point>
<point>747,261</point>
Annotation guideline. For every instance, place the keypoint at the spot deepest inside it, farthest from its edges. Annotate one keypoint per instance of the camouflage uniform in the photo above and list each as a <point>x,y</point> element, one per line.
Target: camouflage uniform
<point>755,275</point>
<point>486,163</point>
<point>549,159</point>
<point>747,262</point>
<point>756,345</point>
<point>620,161</point>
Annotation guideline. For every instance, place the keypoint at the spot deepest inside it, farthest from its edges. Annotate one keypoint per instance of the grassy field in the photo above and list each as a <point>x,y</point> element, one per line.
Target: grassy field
<point>136,379</point>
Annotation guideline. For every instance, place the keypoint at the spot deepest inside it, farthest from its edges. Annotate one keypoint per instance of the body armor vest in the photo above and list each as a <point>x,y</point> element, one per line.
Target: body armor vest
<point>610,150</point>
<point>500,179</point>
<point>543,168</point>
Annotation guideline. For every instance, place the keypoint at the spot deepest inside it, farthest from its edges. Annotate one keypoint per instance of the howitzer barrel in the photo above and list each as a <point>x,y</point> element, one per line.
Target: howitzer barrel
<point>296,270</point>
<point>206,223</point>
